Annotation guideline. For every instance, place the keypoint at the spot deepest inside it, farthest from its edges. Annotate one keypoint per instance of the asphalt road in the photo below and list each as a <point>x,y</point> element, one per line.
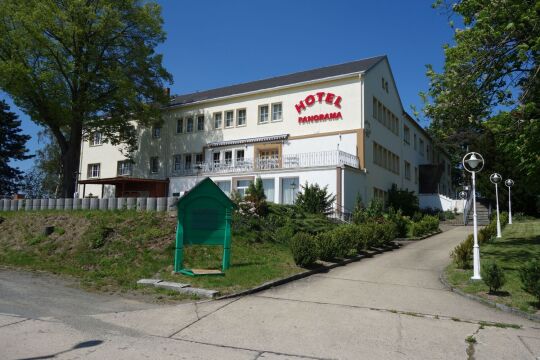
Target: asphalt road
<point>392,306</point>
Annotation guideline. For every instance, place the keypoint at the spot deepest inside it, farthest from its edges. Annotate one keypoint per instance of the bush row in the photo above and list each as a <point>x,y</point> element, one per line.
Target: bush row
<point>428,224</point>
<point>341,241</point>
<point>462,254</point>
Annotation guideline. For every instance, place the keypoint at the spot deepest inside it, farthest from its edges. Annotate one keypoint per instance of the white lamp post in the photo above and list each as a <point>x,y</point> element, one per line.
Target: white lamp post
<point>463,196</point>
<point>473,162</point>
<point>509,183</point>
<point>496,179</point>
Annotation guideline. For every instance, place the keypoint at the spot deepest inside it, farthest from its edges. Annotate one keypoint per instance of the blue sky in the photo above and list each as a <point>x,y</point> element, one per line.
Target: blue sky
<point>213,43</point>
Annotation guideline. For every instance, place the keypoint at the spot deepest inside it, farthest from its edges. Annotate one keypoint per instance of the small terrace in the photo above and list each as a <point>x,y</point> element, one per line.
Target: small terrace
<point>291,161</point>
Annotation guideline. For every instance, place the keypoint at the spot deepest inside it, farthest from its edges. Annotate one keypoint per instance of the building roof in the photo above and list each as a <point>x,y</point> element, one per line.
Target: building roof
<point>352,67</point>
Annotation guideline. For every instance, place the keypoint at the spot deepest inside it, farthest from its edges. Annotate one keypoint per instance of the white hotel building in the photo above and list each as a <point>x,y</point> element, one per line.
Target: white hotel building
<point>340,126</point>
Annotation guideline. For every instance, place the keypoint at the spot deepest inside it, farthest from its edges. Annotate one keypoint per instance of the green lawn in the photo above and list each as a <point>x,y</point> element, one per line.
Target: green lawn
<point>110,251</point>
<point>519,244</point>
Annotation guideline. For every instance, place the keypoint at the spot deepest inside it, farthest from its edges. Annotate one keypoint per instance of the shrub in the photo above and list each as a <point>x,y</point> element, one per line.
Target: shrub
<point>403,200</point>
<point>449,215</point>
<point>284,234</point>
<point>374,212</point>
<point>462,254</point>
<point>315,200</point>
<point>530,278</point>
<point>385,232</point>
<point>503,217</point>
<point>493,276</point>
<point>399,220</point>
<point>256,198</point>
<point>303,248</point>
<point>365,236</point>
<point>345,239</point>
<point>327,246</point>
<point>426,225</point>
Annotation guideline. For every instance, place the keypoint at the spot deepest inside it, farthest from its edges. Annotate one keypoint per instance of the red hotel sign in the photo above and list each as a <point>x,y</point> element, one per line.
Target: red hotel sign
<point>328,97</point>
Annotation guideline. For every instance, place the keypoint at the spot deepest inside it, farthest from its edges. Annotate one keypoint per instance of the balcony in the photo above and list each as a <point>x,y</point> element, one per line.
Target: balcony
<point>292,161</point>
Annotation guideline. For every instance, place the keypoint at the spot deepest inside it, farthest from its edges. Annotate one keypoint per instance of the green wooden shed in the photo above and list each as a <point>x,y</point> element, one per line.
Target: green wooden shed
<point>204,218</point>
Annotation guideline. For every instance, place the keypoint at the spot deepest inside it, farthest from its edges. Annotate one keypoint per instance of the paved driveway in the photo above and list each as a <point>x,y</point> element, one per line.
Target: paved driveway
<point>389,307</point>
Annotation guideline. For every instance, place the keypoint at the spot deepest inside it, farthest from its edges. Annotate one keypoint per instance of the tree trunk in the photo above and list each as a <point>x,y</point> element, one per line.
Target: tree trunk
<point>70,162</point>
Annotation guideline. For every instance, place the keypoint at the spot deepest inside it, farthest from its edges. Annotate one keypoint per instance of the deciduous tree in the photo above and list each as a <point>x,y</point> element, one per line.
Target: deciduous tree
<point>76,67</point>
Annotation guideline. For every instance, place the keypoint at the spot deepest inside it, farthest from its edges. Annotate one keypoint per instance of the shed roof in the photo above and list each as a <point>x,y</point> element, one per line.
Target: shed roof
<point>200,187</point>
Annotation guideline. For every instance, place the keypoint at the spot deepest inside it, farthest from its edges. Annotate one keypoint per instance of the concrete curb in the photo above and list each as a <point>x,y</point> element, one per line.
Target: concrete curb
<point>494,304</point>
<point>179,287</point>
<point>322,268</point>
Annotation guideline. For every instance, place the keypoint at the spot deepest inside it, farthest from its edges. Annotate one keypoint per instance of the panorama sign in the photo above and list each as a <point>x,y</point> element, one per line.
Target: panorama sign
<point>320,97</point>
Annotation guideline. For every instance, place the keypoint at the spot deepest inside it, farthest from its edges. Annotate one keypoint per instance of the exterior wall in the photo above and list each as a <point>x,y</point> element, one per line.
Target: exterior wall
<point>346,134</point>
<point>440,202</point>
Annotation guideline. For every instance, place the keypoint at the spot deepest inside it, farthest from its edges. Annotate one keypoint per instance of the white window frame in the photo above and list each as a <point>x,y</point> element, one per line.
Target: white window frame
<point>188,121</point>
<point>238,111</point>
<point>177,162</point>
<point>156,132</point>
<point>152,159</point>
<point>214,117</point>
<point>96,139</point>
<point>280,112</point>
<point>92,172</point>
<point>180,129</point>
<point>227,119</point>
<point>267,114</point>
<point>122,166</point>
<point>199,118</point>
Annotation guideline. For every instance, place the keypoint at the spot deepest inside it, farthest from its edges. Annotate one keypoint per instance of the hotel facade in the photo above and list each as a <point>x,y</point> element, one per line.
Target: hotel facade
<point>340,126</point>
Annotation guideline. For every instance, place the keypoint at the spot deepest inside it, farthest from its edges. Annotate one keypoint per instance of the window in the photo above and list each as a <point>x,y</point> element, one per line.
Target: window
<point>385,158</point>
<point>216,157</point>
<point>154,164</point>
<point>379,195</point>
<point>407,170</point>
<point>199,159</point>
<point>225,186</point>
<point>93,170</point>
<point>177,160</point>
<point>421,144</point>
<point>96,139</point>
<point>179,126</point>
<point>277,112</point>
<point>406,134</point>
<point>228,157</point>
<point>200,123</point>
<point>187,161</point>
<point>263,114</point>
<point>189,127</point>
<point>268,186</point>
<point>242,186</point>
<point>428,152</point>
<point>241,117</point>
<point>289,190</point>
<point>218,120</point>
<point>415,175</point>
<point>124,168</point>
<point>229,119</point>
<point>385,116</point>
<point>156,132</point>
<point>415,146</point>
<point>239,155</point>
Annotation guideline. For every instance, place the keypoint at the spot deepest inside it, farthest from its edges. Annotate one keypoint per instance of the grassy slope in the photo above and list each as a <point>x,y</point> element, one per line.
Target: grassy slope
<point>519,244</point>
<point>110,251</point>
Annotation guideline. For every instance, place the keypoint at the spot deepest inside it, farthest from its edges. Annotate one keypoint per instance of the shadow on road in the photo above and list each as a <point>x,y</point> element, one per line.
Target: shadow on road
<point>81,345</point>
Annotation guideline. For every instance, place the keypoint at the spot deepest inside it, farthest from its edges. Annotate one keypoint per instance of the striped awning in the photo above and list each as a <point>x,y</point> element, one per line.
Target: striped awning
<point>262,139</point>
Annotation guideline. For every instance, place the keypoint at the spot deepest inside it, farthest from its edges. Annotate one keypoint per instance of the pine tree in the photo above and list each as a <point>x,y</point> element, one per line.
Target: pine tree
<point>12,147</point>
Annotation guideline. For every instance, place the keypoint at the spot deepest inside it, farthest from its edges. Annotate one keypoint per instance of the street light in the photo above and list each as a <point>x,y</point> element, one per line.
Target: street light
<point>496,179</point>
<point>509,183</point>
<point>473,162</point>
<point>463,196</point>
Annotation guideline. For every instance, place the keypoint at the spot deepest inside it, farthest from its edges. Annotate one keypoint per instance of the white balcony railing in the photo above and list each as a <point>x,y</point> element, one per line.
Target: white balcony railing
<point>292,161</point>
